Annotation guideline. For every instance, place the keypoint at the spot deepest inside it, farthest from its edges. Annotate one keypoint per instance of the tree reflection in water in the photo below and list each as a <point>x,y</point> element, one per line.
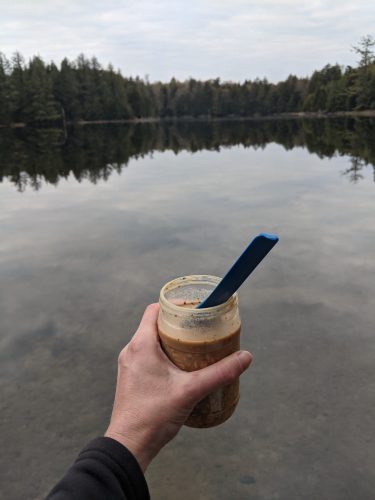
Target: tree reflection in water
<point>32,157</point>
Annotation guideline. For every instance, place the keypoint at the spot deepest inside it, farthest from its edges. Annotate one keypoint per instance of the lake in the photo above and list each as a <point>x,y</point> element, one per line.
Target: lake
<point>94,221</point>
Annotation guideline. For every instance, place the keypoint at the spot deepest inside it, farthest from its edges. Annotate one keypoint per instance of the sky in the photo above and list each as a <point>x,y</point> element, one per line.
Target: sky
<point>234,40</point>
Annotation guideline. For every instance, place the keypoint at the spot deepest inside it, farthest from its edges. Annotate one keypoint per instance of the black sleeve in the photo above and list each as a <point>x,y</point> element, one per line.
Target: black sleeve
<point>104,470</point>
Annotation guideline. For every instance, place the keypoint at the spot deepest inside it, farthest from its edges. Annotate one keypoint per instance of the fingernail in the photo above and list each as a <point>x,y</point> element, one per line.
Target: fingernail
<point>245,359</point>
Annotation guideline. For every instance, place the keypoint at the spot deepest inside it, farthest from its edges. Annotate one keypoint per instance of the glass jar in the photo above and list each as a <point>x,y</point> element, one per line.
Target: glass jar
<point>195,338</point>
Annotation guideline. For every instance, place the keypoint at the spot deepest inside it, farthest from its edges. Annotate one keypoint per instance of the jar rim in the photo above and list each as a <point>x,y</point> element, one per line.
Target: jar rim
<point>195,278</point>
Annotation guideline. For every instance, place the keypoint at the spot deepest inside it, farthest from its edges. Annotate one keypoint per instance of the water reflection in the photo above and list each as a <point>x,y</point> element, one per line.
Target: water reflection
<point>30,158</point>
<point>79,262</point>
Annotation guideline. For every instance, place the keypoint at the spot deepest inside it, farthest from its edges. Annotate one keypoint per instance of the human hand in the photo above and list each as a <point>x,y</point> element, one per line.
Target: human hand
<point>153,397</point>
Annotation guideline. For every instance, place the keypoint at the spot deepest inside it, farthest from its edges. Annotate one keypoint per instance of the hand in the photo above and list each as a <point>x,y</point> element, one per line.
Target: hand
<point>153,397</point>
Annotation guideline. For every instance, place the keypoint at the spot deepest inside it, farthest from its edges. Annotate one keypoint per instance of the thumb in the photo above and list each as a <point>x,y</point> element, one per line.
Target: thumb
<point>221,373</point>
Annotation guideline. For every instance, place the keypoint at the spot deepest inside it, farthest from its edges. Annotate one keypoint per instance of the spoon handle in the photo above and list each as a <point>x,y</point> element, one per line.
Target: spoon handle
<point>241,269</point>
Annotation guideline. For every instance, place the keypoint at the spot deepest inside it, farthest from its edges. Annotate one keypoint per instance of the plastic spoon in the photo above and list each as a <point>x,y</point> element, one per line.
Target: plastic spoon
<point>241,269</point>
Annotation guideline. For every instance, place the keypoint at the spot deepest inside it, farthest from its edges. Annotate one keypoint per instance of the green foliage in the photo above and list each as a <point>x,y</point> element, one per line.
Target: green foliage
<point>37,94</point>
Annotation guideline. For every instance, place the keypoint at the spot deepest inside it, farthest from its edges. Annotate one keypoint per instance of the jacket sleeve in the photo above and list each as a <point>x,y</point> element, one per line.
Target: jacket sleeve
<point>104,469</point>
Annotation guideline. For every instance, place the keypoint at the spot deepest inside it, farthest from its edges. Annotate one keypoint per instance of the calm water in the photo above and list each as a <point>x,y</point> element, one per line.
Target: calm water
<point>93,224</point>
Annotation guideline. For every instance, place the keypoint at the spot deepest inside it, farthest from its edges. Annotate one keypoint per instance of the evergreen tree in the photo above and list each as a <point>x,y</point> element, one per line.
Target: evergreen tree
<point>65,85</point>
<point>365,73</point>
<point>7,93</point>
<point>37,93</point>
<point>18,84</point>
<point>41,105</point>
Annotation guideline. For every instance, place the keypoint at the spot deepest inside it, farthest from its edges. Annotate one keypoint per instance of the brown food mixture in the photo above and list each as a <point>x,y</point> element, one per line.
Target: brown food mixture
<point>190,356</point>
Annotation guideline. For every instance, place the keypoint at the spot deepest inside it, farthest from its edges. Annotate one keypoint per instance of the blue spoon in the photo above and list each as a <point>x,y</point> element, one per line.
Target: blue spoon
<point>241,269</point>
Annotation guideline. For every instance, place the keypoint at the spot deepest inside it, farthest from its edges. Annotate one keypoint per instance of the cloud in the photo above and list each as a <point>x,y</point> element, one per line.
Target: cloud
<point>234,39</point>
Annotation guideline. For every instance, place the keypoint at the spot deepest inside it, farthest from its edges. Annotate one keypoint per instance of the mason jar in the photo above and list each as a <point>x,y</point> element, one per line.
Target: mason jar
<point>195,338</point>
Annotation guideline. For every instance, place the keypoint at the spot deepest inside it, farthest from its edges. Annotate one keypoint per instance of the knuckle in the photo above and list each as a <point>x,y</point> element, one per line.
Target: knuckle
<point>122,357</point>
<point>134,346</point>
<point>227,374</point>
<point>131,350</point>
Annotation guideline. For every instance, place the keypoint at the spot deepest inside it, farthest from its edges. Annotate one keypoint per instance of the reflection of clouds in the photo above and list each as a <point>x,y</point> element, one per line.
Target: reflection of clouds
<point>79,262</point>
<point>171,215</point>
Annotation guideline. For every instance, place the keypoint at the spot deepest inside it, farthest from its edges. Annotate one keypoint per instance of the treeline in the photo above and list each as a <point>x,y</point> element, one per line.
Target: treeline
<point>35,156</point>
<point>38,93</point>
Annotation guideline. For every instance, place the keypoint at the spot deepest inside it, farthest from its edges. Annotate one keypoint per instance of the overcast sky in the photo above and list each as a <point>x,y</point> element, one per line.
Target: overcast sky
<point>230,39</point>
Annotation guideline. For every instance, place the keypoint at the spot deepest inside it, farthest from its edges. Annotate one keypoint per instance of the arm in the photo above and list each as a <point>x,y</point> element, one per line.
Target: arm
<point>152,401</point>
<point>104,469</point>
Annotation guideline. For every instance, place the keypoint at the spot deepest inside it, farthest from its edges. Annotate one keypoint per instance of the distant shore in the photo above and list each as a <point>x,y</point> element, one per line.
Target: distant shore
<point>370,113</point>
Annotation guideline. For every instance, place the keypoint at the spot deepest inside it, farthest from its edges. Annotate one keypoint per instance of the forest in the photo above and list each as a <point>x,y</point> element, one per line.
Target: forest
<point>39,94</point>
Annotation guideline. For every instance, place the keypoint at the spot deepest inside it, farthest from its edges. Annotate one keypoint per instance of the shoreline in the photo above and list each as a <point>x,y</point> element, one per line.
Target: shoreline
<point>370,113</point>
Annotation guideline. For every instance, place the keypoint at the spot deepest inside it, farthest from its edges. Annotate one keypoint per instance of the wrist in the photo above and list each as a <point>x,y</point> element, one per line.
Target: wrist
<point>138,447</point>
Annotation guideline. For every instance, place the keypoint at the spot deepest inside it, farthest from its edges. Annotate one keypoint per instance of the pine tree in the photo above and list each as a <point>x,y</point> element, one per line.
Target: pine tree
<point>7,94</point>
<point>41,105</point>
